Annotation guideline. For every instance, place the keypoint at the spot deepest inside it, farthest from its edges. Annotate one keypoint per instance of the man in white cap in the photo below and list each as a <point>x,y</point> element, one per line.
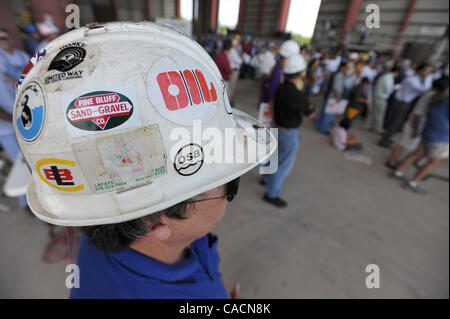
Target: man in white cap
<point>276,76</point>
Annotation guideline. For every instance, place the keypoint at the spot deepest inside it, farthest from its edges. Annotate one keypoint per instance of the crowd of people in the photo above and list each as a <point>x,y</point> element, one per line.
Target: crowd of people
<point>405,103</point>
<point>390,94</point>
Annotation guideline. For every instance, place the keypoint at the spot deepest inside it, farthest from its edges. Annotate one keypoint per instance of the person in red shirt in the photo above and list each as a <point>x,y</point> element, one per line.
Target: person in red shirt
<point>223,63</point>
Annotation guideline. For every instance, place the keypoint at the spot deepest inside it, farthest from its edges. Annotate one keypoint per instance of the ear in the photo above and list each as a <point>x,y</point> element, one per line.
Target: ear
<point>160,232</point>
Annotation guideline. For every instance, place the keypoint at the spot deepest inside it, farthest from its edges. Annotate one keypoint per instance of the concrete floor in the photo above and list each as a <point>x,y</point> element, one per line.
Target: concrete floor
<point>342,216</point>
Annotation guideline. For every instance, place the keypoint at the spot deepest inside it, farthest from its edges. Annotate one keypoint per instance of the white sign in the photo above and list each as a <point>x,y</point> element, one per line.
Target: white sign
<point>335,107</point>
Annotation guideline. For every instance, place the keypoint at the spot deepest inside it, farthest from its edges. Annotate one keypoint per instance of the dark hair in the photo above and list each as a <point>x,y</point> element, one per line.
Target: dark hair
<point>365,80</point>
<point>116,237</point>
<point>343,64</point>
<point>421,67</point>
<point>292,75</point>
<point>441,84</point>
<point>226,44</point>
<point>345,123</point>
<point>2,29</point>
<point>441,87</point>
<point>395,69</point>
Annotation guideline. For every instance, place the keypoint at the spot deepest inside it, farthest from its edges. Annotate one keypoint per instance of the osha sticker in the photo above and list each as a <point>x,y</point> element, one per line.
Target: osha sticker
<point>58,173</point>
<point>189,159</point>
<point>182,90</point>
<point>100,110</point>
<point>30,112</point>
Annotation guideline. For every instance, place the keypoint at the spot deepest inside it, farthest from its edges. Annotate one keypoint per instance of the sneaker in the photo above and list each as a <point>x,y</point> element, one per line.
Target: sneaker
<point>387,164</point>
<point>400,178</point>
<point>384,143</point>
<point>416,189</point>
<point>276,201</point>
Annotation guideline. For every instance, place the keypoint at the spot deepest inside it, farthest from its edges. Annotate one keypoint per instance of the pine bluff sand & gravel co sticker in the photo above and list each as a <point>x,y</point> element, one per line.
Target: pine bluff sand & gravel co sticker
<point>102,110</point>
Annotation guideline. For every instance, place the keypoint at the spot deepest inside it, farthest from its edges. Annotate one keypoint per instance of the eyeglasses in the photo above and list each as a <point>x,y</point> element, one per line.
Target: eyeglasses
<point>231,189</point>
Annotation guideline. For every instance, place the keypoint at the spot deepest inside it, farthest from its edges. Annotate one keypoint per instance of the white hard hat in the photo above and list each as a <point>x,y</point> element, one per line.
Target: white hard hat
<point>405,63</point>
<point>354,56</point>
<point>97,115</point>
<point>294,64</point>
<point>288,48</point>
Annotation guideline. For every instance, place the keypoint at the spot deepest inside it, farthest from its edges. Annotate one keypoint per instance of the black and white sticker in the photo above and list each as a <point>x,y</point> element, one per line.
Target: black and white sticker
<point>189,159</point>
<point>71,65</point>
<point>68,58</point>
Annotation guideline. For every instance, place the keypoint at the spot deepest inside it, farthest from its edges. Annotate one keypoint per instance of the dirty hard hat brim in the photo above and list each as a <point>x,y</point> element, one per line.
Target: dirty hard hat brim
<point>141,201</point>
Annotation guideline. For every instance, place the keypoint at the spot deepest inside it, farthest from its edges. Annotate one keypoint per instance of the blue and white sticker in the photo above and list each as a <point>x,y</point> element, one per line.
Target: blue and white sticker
<point>30,114</point>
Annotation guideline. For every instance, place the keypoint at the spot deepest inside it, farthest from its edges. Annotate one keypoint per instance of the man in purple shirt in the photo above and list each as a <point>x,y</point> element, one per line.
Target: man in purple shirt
<point>276,77</point>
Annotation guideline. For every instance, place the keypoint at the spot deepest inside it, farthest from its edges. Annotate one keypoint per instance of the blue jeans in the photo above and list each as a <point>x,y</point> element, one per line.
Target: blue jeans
<point>353,147</point>
<point>11,148</point>
<point>288,145</point>
<point>325,120</point>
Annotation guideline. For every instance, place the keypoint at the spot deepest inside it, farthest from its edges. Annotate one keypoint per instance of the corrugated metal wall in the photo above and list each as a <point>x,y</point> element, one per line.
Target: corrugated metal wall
<point>269,17</point>
<point>329,21</point>
<point>250,24</point>
<point>128,9</point>
<point>427,23</point>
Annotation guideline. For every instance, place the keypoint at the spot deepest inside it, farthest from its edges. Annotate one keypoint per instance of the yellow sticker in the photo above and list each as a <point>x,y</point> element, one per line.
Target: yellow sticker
<point>58,174</point>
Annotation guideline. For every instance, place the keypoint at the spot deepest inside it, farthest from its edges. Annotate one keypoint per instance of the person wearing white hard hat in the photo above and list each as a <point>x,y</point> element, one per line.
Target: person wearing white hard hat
<point>276,76</point>
<point>290,106</point>
<point>114,150</point>
<point>289,48</point>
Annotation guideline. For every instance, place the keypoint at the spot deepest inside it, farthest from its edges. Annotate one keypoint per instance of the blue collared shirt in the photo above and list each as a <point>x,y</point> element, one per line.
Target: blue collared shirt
<point>130,274</point>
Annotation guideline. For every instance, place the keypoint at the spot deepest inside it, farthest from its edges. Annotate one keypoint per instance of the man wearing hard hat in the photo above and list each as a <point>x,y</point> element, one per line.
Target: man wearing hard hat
<point>95,118</point>
<point>290,106</point>
<point>276,76</point>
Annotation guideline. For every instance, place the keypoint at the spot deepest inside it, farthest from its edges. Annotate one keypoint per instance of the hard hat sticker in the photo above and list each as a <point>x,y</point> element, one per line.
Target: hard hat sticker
<point>34,59</point>
<point>189,159</point>
<point>182,90</point>
<point>99,111</point>
<point>68,58</point>
<point>122,160</point>
<point>61,172</point>
<point>30,113</point>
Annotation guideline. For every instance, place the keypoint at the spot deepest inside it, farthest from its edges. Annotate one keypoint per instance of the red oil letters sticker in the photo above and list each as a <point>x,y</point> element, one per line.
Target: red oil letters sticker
<point>182,90</point>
